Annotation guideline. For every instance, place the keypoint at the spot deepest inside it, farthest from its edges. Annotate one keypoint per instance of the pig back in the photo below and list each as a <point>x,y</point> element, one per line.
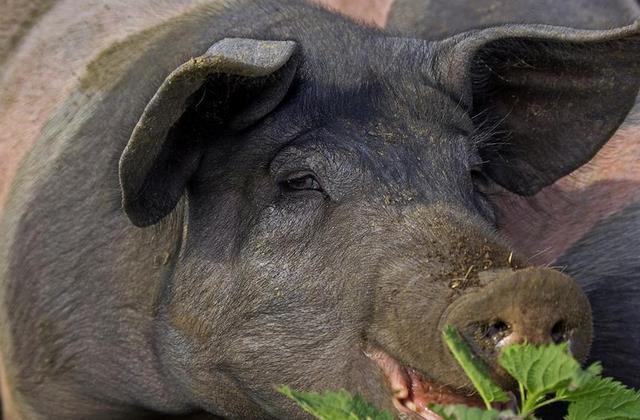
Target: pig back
<point>434,19</point>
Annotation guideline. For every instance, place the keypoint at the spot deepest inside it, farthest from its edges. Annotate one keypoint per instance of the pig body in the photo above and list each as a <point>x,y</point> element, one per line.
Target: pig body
<point>605,260</point>
<point>219,198</point>
<point>439,18</point>
<point>587,223</point>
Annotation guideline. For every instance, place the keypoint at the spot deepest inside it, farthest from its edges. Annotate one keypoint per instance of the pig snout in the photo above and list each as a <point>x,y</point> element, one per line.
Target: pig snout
<point>533,305</point>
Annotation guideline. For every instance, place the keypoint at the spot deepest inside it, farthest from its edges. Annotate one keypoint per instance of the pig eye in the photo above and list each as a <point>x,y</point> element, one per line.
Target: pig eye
<point>300,182</point>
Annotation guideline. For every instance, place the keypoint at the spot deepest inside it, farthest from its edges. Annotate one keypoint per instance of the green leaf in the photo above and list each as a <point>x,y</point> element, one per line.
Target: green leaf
<point>594,387</point>
<point>335,405</point>
<point>475,369</point>
<point>545,375</point>
<point>462,412</point>
<point>541,370</point>
<point>603,398</point>
<point>594,370</point>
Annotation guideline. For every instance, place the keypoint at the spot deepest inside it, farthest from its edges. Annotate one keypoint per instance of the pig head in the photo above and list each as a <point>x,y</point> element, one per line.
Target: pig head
<point>367,233</point>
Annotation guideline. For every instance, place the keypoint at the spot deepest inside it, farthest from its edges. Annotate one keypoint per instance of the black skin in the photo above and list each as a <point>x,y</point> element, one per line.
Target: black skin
<point>605,262</point>
<point>335,221</point>
<point>607,265</point>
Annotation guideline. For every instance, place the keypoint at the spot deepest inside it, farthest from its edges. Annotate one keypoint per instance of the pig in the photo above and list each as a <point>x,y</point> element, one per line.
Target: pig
<point>229,197</point>
<point>587,224</point>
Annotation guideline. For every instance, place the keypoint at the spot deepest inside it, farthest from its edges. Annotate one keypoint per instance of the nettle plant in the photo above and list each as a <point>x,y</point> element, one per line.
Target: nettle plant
<point>544,374</point>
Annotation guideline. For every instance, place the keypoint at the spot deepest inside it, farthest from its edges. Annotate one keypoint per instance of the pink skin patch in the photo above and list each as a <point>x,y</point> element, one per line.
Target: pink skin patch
<point>373,12</point>
<point>544,226</point>
<point>9,412</point>
<point>46,66</point>
<point>41,72</point>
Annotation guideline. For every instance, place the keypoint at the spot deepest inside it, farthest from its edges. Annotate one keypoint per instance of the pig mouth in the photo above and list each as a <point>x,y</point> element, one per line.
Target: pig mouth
<point>412,392</point>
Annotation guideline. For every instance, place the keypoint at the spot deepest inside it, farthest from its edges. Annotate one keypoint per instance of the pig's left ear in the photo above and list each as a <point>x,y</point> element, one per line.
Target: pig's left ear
<point>548,97</point>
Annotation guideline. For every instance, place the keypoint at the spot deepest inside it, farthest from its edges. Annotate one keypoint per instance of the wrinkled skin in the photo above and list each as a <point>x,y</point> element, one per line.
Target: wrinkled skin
<point>586,223</point>
<point>206,310</point>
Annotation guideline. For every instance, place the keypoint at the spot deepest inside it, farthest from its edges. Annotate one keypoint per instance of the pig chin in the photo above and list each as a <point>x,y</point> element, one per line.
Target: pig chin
<point>411,392</point>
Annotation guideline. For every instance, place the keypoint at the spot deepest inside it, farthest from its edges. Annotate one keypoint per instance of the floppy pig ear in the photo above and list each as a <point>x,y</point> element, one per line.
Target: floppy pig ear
<point>234,84</point>
<point>547,97</point>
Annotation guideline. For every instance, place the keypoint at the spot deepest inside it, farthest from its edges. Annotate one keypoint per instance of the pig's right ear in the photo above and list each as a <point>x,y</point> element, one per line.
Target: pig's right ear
<point>234,84</point>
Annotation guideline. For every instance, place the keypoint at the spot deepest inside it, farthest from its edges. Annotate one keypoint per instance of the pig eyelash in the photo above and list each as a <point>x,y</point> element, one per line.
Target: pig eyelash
<point>300,181</point>
<point>487,132</point>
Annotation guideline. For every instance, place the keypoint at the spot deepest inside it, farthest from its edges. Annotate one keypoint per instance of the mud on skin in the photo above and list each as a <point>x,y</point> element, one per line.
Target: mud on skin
<point>234,207</point>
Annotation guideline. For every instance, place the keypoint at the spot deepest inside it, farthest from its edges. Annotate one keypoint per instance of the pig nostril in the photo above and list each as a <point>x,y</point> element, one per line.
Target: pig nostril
<point>559,332</point>
<point>497,330</point>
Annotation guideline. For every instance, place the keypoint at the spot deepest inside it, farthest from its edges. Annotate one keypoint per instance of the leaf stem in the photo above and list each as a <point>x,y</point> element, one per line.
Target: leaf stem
<point>529,404</point>
<point>549,401</point>
<point>522,396</point>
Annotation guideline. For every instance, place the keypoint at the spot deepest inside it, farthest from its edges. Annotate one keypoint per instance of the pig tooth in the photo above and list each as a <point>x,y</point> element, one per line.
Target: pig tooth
<point>402,409</point>
<point>411,406</point>
<point>400,393</point>
<point>398,380</point>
